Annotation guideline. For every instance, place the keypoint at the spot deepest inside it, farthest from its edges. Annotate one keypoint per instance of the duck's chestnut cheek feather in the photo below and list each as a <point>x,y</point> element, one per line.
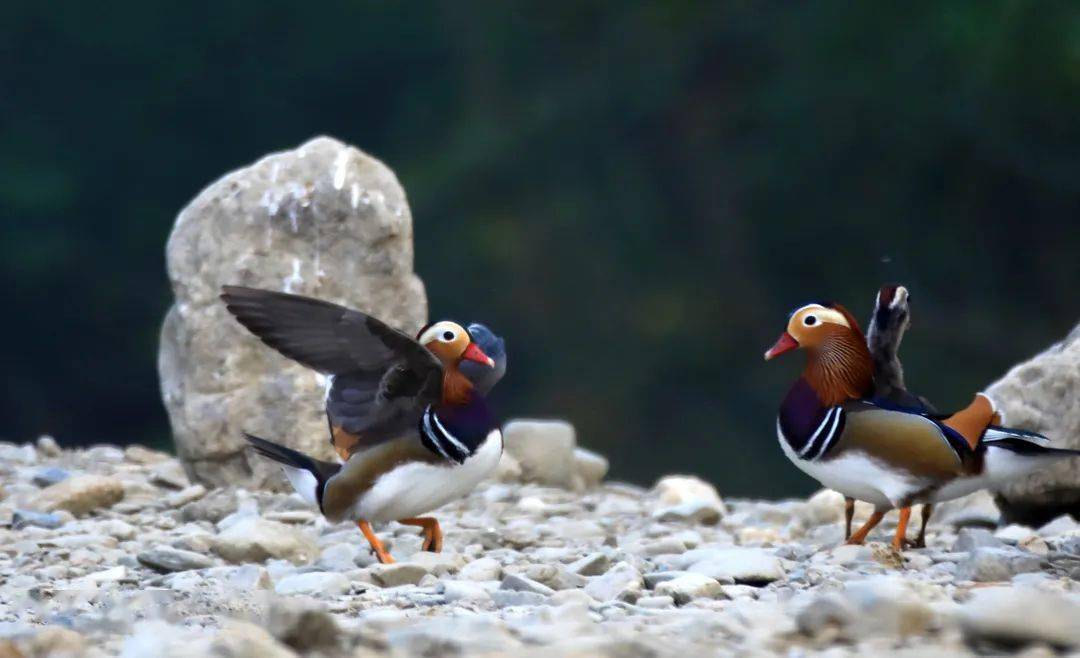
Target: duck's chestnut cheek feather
<point>785,343</point>
<point>474,353</point>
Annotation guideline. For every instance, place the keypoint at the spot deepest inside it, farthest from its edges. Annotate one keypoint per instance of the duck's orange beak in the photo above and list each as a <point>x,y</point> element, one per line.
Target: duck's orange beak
<point>474,353</point>
<point>783,344</point>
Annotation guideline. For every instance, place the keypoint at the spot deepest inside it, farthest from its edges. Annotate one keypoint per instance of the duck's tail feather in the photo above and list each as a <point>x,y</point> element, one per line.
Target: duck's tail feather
<point>1013,453</point>
<point>306,474</point>
<point>997,433</point>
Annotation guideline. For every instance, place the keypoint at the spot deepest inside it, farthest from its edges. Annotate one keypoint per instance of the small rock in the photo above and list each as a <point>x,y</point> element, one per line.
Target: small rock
<point>826,616</point>
<point>654,578</point>
<point>968,539</point>
<point>292,516</point>
<point>977,509</point>
<point>138,454</point>
<point>505,598</point>
<point>113,575</point>
<point>340,557</point>
<point>397,574</point>
<point>997,564</point>
<point>303,625</point>
<point>437,564</point>
<point>1012,617</point>
<point>185,496</point>
<point>679,489</point>
<point>1034,544</point>
<point>824,507</point>
<point>590,466</point>
<point>749,566</point>
<point>466,590</point>
<point>212,507</point>
<point>484,568</point>
<point>757,536</point>
<point>544,449</point>
<point>888,606</point>
<point>17,454</point>
<point>1014,533</point>
<point>516,583</point>
<point>662,546</point>
<point>1063,524</point>
<point>81,494</point>
<point>245,578</point>
<point>621,582</point>
<point>313,583</point>
<point>254,539</point>
<point>655,602</point>
<point>243,640</point>
<point>1070,545</point>
<point>118,529</point>
<point>169,474</point>
<point>689,586</point>
<point>47,446</point>
<point>571,597</point>
<point>695,511</point>
<point>52,642</point>
<point>50,475</point>
<point>166,559</point>
<point>24,518</point>
<point>593,564</point>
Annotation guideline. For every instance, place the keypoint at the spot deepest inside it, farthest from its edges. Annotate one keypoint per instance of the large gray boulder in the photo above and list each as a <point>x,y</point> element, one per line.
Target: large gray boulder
<point>1043,395</point>
<point>324,220</point>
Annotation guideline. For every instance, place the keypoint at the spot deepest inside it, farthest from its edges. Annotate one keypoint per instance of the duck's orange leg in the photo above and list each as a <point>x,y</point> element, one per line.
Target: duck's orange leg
<point>433,537</point>
<point>849,514</point>
<point>972,421</point>
<point>860,534</point>
<point>900,539</point>
<point>381,554</point>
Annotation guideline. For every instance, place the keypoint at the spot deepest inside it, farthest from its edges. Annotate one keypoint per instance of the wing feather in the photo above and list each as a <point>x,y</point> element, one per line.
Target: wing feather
<point>382,378</point>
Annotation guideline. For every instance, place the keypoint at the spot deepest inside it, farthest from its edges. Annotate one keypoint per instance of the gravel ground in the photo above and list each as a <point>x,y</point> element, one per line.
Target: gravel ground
<point>111,551</point>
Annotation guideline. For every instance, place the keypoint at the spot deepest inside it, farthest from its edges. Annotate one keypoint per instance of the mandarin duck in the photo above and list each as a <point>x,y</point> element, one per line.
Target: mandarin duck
<point>830,426</point>
<point>408,418</point>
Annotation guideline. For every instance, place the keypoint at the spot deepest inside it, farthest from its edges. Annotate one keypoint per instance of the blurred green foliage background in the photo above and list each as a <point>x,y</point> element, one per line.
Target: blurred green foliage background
<point>634,194</point>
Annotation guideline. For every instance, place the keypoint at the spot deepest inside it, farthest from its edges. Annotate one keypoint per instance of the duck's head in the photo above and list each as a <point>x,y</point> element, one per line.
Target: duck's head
<point>452,344</point>
<point>838,366</point>
<point>483,377</point>
<point>814,326</point>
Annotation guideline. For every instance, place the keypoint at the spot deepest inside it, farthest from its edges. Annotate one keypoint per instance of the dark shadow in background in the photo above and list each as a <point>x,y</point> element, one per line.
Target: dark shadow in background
<point>635,196</point>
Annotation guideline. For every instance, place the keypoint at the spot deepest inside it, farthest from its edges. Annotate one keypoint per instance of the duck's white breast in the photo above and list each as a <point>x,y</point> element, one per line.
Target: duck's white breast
<point>419,487</point>
<point>855,475</point>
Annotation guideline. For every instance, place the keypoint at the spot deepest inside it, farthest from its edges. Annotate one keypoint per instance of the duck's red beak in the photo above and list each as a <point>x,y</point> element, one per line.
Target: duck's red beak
<point>783,344</point>
<point>474,353</point>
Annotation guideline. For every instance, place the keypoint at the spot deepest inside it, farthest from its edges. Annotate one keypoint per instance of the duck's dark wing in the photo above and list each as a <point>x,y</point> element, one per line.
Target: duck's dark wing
<point>381,379</point>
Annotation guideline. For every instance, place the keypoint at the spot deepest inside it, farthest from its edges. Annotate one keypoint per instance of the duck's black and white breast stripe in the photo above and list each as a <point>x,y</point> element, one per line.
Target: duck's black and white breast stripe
<point>824,436</point>
<point>437,438</point>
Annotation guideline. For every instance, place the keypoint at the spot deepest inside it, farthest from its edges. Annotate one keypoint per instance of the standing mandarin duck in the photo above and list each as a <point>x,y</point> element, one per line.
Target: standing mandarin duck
<point>888,324</point>
<point>408,417</point>
<point>873,450</point>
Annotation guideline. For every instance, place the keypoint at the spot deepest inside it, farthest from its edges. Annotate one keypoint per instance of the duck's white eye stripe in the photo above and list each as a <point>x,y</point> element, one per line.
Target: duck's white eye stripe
<point>444,331</point>
<point>823,314</point>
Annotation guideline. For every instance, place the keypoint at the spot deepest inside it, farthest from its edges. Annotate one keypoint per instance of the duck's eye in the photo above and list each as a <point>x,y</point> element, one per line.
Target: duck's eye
<point>810,320</point>
<point>448,336</point>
